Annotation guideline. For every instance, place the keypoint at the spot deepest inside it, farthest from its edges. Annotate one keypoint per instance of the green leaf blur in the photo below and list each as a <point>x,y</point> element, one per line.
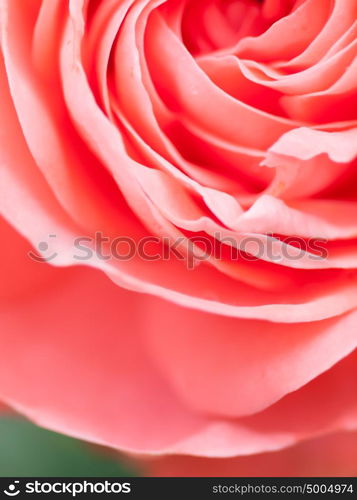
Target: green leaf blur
<point>27,450</point>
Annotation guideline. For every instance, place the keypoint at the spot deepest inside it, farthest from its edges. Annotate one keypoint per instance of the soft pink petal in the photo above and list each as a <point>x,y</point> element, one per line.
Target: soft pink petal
<point>305,22</point>
<point>329,456</point>
<point>99,384</point>
<point>217,363</point>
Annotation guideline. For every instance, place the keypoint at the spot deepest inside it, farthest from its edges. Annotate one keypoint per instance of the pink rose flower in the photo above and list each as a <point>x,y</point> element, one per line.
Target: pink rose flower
<point>227,131</point>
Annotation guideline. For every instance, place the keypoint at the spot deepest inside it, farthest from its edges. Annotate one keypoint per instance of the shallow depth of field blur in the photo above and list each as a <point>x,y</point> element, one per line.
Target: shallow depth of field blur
<point>27,450</point>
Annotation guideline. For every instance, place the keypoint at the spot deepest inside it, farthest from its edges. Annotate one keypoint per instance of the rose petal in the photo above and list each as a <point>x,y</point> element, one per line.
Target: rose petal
<point>339,21</point>
<point>299,154</point>
<point>217,363</point>
<point>188,90</point>
<point>98,385</point>
<point>329,456</point>
<point>306,22</point>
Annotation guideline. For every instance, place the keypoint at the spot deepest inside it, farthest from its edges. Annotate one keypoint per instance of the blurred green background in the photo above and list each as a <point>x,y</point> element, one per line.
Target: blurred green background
<point>27,450</point>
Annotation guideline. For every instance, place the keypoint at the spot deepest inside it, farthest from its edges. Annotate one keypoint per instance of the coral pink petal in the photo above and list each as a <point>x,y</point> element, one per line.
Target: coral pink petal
<point>217,363</point>
<point>99,384</point>
<point>188,90</point>
<point>328,456</point>
<point>344,12</point>
<point>306,22</point>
